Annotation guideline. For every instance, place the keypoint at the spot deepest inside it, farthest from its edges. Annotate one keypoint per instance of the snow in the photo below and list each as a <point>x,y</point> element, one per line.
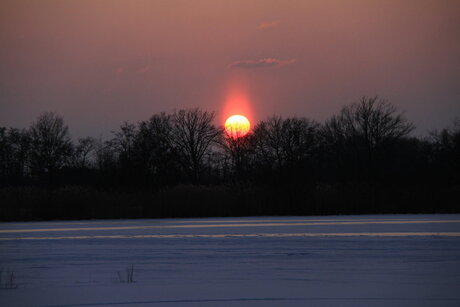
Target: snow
<point>379,260</point>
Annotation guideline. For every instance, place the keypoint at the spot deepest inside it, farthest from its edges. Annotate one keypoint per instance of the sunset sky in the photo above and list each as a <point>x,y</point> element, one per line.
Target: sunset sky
<point>100,62</point>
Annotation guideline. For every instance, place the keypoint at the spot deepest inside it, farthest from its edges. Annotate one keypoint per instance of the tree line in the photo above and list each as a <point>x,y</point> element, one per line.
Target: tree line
<point>361,160</point>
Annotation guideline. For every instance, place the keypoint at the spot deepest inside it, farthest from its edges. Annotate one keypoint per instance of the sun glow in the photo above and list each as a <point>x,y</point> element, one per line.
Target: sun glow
<point>237,126</point>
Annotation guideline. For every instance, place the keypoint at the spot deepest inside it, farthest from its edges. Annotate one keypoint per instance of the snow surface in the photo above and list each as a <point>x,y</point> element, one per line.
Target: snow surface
<point>380,260</point>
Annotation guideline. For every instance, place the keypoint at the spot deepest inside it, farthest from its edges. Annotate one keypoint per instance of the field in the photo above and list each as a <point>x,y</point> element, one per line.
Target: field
<point>378,260</point>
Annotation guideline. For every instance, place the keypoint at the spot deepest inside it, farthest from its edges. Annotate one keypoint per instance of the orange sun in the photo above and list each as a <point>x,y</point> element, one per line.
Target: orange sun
<point>237,126</point>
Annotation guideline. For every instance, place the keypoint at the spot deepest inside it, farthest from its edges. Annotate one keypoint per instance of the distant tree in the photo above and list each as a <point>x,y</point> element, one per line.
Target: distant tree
<point>446,150</point>
<point>106,159</point>
<point>365,129</point>
<point>81,156</point>
<point>335,147</point>
<point>5,152</point>
<point>14,145</point>
<point>260,152</point>
<point>193,135</point>
<point>50,145</point>
<point>374,122</point>
<point>234,159</point>
<point>286,143</point>
<point>154,152</point>
<point>122,150</point>
<point>19,141</point>
<point>123,141</point>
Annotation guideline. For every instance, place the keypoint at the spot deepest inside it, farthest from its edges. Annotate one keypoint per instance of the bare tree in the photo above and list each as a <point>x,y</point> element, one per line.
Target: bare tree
<point>448,139</point>
<point>366,127</point>
<point>286,141</point>
<point>19,141</point>
<point>335,141</point>
<point>446,149</point>
<point>154,150</point>
<point>235,155</point>
<point>374,121</point>
<point>50,144</point>
<point>5,152</point>
<point>193,134</point>
<point>123,141</point>
<point>106,160</point>
<point>82,152</point>
<point>117,154</point>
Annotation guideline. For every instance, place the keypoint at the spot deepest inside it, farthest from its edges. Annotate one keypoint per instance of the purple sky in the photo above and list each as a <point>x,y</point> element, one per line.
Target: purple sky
<point>98,63</point>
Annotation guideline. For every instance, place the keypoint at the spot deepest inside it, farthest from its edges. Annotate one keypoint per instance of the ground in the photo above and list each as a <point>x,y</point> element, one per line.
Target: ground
<point>380,260</point>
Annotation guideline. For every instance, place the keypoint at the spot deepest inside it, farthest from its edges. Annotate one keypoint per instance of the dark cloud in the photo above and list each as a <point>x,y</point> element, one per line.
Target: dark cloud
<point>268,62</point>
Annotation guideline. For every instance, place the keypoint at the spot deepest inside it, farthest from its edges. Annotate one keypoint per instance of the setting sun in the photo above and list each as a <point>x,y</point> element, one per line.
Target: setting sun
<point>237,126</point>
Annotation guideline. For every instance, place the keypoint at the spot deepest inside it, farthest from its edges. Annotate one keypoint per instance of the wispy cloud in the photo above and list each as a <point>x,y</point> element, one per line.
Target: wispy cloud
<point>268,62</point>
<point>269,25</point>
<point>144,69</point>
<point>119,70</point>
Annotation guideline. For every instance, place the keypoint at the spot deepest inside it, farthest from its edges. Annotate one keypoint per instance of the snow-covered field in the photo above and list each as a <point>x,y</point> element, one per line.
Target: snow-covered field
<point>384,260</point>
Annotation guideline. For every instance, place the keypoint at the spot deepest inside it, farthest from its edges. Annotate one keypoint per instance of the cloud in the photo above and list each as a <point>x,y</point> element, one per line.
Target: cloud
<point>269,25</point>
<point>119,70</point>
<point>268,62</point>
<point>144,69</point>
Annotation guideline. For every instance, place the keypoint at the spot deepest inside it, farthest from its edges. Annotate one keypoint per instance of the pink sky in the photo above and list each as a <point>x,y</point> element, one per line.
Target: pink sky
<point>98,63</point>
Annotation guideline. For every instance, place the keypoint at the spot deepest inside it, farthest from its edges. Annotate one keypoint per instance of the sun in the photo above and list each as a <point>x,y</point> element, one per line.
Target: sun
<point>237,126</point>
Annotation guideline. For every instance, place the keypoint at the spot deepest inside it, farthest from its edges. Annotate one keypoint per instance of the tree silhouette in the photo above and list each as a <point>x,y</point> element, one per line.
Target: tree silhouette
<point>446,151</point>
<point>193,135</point>
<point>364,130</point>
<point>362,160</point>
<point>286,146</point>
<point>50,145</point>
<point>14,153</point>
<point>235,150</point>
<point>154,152</point>
<point>81,156</point>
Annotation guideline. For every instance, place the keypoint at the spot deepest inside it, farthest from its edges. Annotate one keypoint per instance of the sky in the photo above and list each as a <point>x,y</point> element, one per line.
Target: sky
<point>98,63</point>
